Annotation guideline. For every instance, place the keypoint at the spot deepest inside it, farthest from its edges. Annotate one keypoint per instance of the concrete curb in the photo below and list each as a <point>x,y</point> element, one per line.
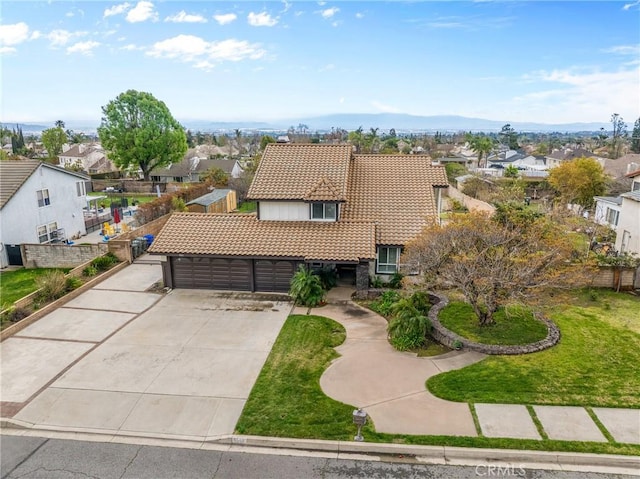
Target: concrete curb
<point>346,449</point>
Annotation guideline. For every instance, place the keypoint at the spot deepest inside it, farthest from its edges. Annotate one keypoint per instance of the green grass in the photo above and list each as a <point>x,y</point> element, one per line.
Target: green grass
<point>513,325</point>
<point>286,400</point>
<point>248,207</point>
<point>595,363</point>
<point>18,283</point>
<point>118,196</point>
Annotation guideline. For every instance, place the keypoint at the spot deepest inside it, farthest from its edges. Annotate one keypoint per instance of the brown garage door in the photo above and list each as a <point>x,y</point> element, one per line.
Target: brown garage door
<point>211,273</point>
<point>273,275</point>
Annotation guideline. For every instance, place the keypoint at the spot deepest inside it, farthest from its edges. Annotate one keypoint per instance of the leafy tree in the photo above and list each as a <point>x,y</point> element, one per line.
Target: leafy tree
<point>453,171</point>
<point>265,140</point>
<point>635,137</point>
<point>137,130</point>
<point>618,135</point>
<point>53,139</point>
<point>356,138</point>
<point>494,264</point>
<point>482,146</point>
<point>59,124</point>
<point>372,141</point>
<point>216,176</point>
<point>510,172</point>
<point>509,137</point>
<point>579,180</point>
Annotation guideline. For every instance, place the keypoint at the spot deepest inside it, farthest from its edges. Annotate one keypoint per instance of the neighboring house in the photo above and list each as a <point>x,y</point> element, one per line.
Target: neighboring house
<point>189,170</point>
<point>318,205</point>
<point>558,157</point>
<point>628,229</point>
<point>87,157</point>
<point>622,166</point>
<point>218,201</point>
<point>39,203</point>
<point>607,210</point>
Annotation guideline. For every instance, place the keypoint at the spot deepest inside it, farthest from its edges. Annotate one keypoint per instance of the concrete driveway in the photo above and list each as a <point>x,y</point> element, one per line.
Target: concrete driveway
<point>118,359</point>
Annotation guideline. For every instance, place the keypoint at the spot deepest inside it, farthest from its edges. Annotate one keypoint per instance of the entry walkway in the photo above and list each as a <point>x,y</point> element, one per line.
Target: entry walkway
<point>390,386</point>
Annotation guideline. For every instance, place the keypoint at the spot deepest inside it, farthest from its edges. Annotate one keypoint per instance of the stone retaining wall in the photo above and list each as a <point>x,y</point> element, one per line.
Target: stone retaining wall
<point>451,339</point>
<point>60,255</point>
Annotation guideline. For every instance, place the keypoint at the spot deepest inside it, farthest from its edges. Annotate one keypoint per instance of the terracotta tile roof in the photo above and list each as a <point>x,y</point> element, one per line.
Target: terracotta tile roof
<point>245,235</point>
<point>323,190</point>
<point>291,171</point>
<point>394,191</point>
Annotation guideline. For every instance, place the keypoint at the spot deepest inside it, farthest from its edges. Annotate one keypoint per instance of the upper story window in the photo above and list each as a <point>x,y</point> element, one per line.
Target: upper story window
<point>636,186</point>
<point>324,211</point>
<point>81,188</point>
<point>43,197</point>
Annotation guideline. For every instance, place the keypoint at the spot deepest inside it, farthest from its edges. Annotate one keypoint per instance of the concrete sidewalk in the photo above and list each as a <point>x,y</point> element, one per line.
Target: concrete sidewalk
<point>390,386</point>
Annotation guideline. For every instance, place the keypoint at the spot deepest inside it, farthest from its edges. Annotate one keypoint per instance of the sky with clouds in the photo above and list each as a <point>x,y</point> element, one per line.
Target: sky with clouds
<point>542,61</point>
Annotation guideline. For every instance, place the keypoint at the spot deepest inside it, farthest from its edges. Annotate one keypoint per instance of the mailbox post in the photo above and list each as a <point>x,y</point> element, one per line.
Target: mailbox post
<point>359,419</point>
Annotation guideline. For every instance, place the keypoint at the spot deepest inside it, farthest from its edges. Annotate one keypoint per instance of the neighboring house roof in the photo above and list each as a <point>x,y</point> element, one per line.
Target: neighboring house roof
<point>571,154</point>
<point>632,195</point>
<point>616,200</point>
<point>245,235</point>
<point>224,165</point>
<point>291,171</point>
<point>13,174</point>
<point>193,165</point>
<point>80,151</point>
<point>623,165</point>
<point>633,174</point>
<point>210,198</point>
<point>394,191</point>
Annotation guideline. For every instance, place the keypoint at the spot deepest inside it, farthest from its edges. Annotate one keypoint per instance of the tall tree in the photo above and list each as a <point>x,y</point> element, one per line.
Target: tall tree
<point>372,140</point>
<point>635,137</point>
<point>579,180</point>
<point>59,124</point>
<point>53,139</point>
<point>137,130</point>
<point>509,137</point>
<point>494,264</point>
<point>618,135</point>
<point>356,138</point>
<point>481,146</point>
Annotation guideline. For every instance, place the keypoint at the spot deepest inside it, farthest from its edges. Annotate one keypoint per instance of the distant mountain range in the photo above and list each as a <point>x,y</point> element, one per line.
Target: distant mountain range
<point>351,121</point>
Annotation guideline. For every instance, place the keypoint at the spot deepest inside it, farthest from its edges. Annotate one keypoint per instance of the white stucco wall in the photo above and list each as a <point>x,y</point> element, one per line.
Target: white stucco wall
<point>21,216</point>
<point>600,214</point>
<point>629,221</point>
<point>284,211</point>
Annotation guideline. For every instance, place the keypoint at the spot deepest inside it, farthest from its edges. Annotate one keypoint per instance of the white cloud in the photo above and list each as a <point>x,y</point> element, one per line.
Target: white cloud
<point>14,34</point>
<point>116,9</point>
<point>84,48</point>
<point>7,50</point>
<point>60,38</point>
<point>225,18</point>
<point>328,67</point>
<point>359,15</point>
<point>35,35</point>
<point>594,94</point>
<point>131,47</point>
<point>203,54</point>
<point>629,6</point>
<point>384,107</point>
<point>624,49</point>
<point>142,12</point>
<point>329,12</point>
<point>262,19</point>
<point>184,17</point>
<point>322,3</point>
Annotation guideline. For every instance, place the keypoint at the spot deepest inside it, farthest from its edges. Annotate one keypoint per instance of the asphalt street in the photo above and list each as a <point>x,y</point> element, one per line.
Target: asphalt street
<point>34,457</point>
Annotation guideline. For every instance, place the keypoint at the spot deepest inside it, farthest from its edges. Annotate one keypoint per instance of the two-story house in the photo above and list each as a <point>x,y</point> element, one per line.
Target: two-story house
<point>319,205</point>
<point>39,203</point>
<point>87,157</point>
<point>628,227</point>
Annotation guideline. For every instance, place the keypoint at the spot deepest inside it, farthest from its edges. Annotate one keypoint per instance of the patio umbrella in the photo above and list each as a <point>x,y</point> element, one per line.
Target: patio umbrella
<point>116,215</point>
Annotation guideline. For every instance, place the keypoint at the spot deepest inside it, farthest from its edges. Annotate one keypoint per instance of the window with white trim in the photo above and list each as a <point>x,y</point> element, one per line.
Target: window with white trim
<point>47,233</point>
<point>324,211</point>
<point>388,259</point>
<point>43,197</point>
<point>81,189</point>
<point>612,216</point>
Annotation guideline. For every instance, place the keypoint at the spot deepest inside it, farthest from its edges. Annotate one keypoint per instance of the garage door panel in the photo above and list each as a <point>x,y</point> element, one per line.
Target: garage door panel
<point>212,273</point>
<point>273,275</point>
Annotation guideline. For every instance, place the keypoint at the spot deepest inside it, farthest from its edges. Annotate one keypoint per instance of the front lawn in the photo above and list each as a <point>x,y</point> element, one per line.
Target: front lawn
<point>117,197</point>
<point>248,207</point>
<point>513,325</point>
<point>18,283</point>
<point>286,400</point>
<point>595,363</point>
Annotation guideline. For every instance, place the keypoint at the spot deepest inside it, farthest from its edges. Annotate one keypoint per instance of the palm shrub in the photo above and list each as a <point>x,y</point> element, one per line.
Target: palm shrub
<point>306,287</point>
<point>51,286</point>
<point>408,327</point>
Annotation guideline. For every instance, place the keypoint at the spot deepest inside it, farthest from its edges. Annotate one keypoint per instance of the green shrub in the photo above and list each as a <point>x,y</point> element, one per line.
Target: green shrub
<point>90,271</point>
<point>103,263</point>
<point>51,285</point>
<point>328,276</point>
<point>396,280</point>
<point>408,331</point>
<point>421,302</point>
<point>72,283</point>
<point>14,314</point>
<point>306,287</point>
<point>376,282</point>
<point>385,302</point>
